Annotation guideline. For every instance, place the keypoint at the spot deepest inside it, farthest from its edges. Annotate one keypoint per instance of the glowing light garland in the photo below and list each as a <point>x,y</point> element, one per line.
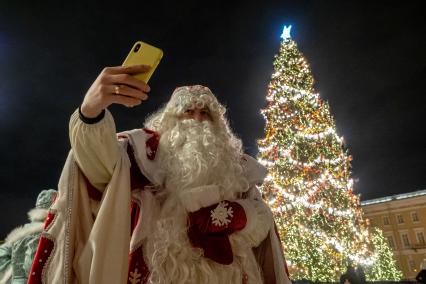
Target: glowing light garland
<point>357,258</point>
<point>321,135</point>
<point>287,153</point>
<point>311,97</point>
<point>303,200</point>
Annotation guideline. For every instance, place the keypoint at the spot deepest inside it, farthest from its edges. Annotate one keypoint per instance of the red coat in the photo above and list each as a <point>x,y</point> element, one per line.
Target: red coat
<point>67,233</point>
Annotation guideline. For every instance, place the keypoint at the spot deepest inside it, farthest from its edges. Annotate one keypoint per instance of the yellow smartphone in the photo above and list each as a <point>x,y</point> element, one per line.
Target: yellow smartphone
<point>143,53</point>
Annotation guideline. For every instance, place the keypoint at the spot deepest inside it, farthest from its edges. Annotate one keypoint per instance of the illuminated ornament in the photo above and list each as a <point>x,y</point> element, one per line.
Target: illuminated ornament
<point>286,33</point>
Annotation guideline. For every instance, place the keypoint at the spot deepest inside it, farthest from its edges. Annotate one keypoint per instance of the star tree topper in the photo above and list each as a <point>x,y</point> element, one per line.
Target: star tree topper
<point>286,33</point>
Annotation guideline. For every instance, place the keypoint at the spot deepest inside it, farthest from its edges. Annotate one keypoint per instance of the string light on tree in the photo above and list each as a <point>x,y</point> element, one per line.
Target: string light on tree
<point>309,185</point>
<point>383,267</point>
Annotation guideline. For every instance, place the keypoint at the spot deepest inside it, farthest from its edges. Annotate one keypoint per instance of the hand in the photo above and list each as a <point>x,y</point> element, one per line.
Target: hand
<point>102,93</point>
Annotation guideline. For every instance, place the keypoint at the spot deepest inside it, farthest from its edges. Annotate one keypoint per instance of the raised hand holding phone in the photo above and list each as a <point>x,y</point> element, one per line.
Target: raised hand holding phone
<point>115,85</point>
<point>125,85</point>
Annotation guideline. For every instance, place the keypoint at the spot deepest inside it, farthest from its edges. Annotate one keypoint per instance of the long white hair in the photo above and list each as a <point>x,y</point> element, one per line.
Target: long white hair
<point>198,153</point>
<point>192,154</point>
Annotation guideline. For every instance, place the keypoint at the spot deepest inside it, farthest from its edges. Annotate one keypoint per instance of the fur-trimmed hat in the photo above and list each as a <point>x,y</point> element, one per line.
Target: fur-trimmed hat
<point>182,99</point>
<point>196,96</point>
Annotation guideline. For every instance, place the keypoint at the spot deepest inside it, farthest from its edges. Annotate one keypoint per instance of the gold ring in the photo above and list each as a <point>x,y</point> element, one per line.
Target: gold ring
<point>117,90</point>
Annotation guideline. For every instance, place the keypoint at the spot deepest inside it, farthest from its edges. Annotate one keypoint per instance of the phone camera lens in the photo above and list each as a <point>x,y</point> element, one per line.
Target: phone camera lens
<point>137,47</point>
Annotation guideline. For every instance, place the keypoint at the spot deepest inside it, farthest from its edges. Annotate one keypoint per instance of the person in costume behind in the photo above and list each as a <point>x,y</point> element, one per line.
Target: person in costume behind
<point>196,215</point>
<point>17,252</point>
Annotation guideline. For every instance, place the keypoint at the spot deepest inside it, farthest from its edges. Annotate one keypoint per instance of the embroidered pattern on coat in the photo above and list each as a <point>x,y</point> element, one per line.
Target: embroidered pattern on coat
<point>41,260</point>
<point>221,213</point>
<point>135,277</point>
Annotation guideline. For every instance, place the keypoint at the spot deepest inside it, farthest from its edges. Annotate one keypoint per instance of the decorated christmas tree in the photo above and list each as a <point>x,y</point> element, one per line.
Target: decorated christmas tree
<point>309,185</point>
<point>384,268</point>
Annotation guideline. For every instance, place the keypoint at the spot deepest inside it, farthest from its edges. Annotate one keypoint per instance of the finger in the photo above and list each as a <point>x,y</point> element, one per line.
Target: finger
<point>125,100</point>
<point>124,90</point>
<point>134,69</point>
<point>126,79</point>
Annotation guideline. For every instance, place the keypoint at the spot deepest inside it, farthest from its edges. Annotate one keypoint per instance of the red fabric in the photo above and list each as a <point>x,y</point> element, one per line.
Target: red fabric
<point>138,270</point>
<point>44,249</point>
<point>152,143</point>
<point>214,239</point>
<point>134,216</point>
<point>49,219</point>
<point>137,179</point>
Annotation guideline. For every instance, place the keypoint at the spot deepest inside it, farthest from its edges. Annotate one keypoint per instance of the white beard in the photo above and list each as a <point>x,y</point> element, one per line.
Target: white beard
<point>194,154</point>
<point>198,153</point>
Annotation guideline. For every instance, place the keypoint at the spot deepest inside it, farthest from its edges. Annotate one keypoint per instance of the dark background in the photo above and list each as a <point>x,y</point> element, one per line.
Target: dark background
<point>368,60</point>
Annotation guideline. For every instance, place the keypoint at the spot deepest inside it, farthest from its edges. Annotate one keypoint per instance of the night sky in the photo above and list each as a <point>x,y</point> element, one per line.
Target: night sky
<point>368,60</point>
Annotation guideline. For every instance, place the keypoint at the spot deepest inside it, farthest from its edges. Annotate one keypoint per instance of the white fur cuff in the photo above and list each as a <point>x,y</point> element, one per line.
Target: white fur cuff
<point>250,215</point>
<point>195,198</point>
<point>38,214</point>
<point>259,220</point>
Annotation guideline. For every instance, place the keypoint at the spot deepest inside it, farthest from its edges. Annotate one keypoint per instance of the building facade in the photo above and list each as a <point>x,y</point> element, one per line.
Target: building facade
<point>402,218</point>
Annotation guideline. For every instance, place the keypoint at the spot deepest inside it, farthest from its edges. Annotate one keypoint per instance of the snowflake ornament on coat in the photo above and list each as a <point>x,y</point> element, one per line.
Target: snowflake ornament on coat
<point>221,213</point>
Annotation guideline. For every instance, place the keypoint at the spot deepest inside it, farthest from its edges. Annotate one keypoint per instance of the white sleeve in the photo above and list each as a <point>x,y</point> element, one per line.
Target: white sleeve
<point>95,147</point>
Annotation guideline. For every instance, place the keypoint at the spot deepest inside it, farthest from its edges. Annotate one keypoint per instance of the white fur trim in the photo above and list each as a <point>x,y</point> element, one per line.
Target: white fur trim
<point>150,168</point>
<point>203,196</point>
<point>37,214</point>
<point>149,211</point>
<point>20,232</point>
<point>250,212</point>
<point>258,221</point>
<point>7,275</point>
<point>254,171</point>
